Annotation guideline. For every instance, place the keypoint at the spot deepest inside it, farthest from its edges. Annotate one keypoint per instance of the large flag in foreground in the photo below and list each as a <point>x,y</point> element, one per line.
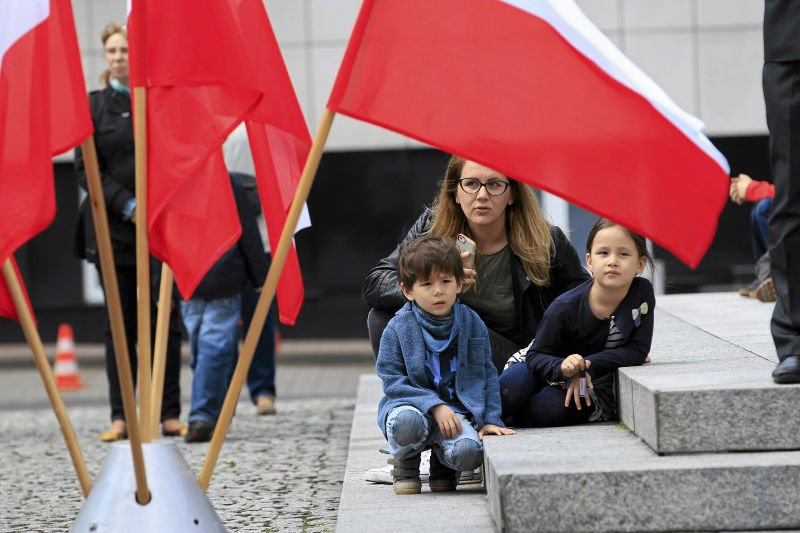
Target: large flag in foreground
<point>534,90</point>
<point>279,143</point>
<point>43,111</point>
<point>200,86</point>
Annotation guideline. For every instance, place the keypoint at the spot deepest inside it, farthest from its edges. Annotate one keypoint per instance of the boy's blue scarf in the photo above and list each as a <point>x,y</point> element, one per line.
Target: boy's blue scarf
<point>438,332</point>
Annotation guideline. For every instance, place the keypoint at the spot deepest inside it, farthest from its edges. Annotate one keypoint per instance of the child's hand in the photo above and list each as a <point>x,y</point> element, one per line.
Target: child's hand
<point>573,364</point>
<point>491,429</point>
<point>448,421</point>
<point>573,391</point>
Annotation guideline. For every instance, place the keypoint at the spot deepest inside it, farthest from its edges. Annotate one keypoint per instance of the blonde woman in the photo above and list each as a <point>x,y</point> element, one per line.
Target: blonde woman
<point>523,263</point>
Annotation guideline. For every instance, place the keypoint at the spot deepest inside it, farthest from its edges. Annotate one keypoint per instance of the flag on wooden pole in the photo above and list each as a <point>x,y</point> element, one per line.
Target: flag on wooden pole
<point>279,142</point>
<point>534,90</point>
<point>200,86</point>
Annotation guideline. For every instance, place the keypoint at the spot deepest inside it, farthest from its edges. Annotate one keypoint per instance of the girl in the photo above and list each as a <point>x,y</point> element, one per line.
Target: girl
<point>589,331</point>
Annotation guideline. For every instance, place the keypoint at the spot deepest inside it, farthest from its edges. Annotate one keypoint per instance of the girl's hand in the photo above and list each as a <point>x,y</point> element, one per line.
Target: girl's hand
<point>448,421</point>
<point>573,364</point>
<point>574,392</point>
<point>491,429</point>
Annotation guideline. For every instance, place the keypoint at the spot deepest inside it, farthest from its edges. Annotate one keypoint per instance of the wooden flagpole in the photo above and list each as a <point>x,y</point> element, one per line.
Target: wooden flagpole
<point>265,299</point>
<point>111,286</point>
<point>160,356</point>
<point>142,255</point>
<point>42,363</point>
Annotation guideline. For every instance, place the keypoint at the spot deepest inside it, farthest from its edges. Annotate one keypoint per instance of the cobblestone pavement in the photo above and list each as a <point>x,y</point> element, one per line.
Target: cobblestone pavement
<point>281,473</point>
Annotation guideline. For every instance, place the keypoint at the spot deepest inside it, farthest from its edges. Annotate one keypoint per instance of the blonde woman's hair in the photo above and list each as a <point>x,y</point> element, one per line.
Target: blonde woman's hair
<point>527,230</point>
<point>111,28</point>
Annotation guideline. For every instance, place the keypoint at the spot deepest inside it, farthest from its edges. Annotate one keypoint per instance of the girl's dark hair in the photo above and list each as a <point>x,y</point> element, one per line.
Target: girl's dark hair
<point>419,257</point>
<point>638,240</point>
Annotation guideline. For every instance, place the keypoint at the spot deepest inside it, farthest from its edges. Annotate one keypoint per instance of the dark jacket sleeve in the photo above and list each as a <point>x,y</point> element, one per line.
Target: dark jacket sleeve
<point>115,194</point>
<point>381,290</point>
<point>542,358</point>
<point>635,350</point>
<point>568,272</point>
<point>250,245</point>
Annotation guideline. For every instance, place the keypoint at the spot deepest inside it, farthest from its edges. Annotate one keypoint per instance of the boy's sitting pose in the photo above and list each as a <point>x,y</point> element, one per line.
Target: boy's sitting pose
<point>439,382</point>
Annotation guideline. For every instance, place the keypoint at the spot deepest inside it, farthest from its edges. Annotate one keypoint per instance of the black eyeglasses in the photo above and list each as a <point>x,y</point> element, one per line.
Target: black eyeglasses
<point>473,185</point>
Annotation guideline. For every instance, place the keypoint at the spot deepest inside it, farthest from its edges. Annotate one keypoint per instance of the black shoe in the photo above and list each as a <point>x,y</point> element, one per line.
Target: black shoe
<point>199,431</point>
<point>442,478</point>
<point>788,370</point>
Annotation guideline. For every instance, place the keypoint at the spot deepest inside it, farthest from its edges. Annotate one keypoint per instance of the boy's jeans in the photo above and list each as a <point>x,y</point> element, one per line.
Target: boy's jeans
<point>409,432</point>
<point>213,331</point>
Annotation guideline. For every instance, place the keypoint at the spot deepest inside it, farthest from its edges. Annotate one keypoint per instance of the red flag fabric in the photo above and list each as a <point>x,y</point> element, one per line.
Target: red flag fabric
<point>43,112</point>
<point>532,89</point>
<point>279,142</point>
<point>200,86</point>
<point>7,307</point>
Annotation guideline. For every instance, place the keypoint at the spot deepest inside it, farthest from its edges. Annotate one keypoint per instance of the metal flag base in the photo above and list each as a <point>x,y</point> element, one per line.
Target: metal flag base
<point>177,503</point>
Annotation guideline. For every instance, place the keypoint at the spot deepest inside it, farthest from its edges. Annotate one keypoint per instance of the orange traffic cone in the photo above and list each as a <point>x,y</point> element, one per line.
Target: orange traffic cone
<point>66,367</point>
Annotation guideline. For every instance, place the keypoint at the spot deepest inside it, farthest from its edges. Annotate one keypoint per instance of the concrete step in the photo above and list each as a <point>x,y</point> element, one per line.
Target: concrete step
<point>601,477</point>
<point>366,507</point>
<point>709,388</point>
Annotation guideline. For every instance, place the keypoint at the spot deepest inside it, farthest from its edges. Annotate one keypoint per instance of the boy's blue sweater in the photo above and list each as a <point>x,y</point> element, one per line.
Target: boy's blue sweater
<point>401,367</point>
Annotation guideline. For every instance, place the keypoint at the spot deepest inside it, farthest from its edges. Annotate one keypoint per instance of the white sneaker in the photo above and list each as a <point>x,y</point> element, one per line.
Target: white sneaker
<point>384,474</point>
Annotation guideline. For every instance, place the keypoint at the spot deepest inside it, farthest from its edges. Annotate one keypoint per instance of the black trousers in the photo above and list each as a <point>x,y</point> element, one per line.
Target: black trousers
<point>781,82</point>
<point>502,347</point>
<point>171,403</point>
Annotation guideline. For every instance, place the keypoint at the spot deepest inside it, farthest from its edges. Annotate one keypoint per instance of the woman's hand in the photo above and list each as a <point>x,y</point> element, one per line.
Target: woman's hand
<point>448,421</point>
<point>470,275</point>
<point>739,186</point>
<point>573,364</point>
<point>491,429</point>
<point>574,390</point>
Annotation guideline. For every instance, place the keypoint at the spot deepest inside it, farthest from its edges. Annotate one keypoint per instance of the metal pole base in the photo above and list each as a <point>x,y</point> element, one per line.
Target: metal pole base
<point>177,502</point>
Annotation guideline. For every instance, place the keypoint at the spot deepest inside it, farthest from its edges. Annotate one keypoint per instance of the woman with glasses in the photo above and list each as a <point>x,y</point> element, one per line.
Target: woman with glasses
<point>523,263</point>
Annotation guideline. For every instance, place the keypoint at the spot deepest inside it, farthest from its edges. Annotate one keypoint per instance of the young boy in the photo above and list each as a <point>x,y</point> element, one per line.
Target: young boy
<point>440,385</point>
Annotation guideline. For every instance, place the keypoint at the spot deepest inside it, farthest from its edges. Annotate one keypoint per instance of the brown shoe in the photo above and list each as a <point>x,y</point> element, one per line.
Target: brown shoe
<point>118,431</point>
<point>265,405</point>
<point>766,291</point>
<point>173,428</point>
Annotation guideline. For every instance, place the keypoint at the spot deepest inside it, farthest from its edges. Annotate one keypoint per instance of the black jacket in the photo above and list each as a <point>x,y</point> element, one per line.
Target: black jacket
<point>381,289</point>
<point>569,327</point>
<point>782,30</point>
<point>244,262</point>
<point>113,137</point>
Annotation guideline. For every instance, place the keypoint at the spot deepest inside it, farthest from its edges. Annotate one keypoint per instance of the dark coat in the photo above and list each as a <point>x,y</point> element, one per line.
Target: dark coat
<point>781,30</point>
<point>569,327</point>
<point>113,137</point>
<point>381,289</point>
<point>244,262</point>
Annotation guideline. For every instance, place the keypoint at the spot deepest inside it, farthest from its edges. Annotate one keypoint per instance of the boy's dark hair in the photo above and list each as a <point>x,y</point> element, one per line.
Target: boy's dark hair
<point>638,240</point>
<point>421,256</point>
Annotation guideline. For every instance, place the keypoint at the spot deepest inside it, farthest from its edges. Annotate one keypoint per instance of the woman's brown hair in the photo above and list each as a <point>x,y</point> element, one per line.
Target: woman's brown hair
<point>527,230</point>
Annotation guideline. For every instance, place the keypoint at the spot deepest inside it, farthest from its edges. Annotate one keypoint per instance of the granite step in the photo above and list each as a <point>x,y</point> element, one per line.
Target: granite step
<point>601,477</point>
<point>709,388</point>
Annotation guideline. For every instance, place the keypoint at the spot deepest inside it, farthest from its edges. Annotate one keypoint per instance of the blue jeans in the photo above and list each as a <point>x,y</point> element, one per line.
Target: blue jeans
<point>759,220</point>
<point>261,376</point>
<point>409,432</point>
<point>213,331</point>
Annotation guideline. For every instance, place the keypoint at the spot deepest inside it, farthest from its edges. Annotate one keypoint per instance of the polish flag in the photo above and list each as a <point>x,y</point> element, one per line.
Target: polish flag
<point>200,87</point>
<point>532,89</point>
<point>7,308</point>
<point>279,143</point>
<point>44,111</point>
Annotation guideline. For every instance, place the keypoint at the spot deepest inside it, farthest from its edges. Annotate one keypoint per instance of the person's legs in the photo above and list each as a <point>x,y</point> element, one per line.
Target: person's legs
<point>407,431</point>
<point>376,323</point>
<point>759,221</point>
<point>517,385</point>
<point>171,396</point>
<point>261,376</point>
<point>546,409</point>
<point>781,83</point>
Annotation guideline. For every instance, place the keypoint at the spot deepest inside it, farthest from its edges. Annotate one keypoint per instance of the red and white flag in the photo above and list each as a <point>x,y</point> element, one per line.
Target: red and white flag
<point>43,111</point>
<point>200,87</point>
<point>534,90</point>
<point>279,143</point>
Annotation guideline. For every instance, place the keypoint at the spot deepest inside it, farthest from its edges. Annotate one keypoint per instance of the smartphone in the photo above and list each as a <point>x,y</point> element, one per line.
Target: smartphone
<point>465,244</point>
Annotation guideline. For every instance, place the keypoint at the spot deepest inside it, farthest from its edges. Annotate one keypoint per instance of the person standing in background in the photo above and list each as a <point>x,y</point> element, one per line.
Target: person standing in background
<point>781,83</point>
